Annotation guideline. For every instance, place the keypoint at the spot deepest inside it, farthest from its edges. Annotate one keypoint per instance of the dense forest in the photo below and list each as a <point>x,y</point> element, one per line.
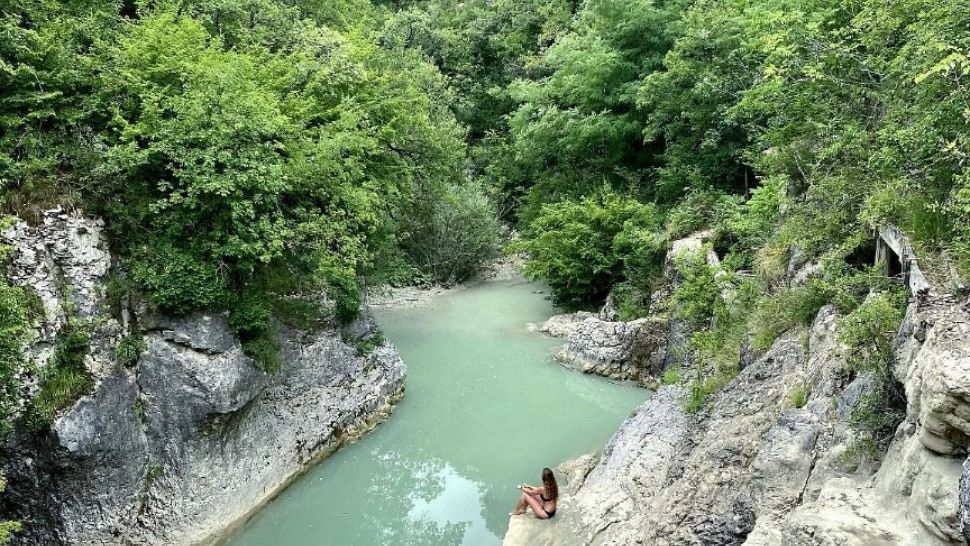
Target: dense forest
<point>249,154</point>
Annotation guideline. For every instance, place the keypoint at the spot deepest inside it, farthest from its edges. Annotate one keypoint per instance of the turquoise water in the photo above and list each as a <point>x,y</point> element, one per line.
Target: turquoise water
<point>485,409</point>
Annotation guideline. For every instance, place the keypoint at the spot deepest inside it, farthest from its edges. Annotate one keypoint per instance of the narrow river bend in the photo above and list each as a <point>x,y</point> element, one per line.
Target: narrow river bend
<point>485,409</point>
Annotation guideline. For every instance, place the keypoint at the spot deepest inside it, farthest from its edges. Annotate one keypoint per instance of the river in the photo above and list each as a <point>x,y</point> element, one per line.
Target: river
<point>485,409</point>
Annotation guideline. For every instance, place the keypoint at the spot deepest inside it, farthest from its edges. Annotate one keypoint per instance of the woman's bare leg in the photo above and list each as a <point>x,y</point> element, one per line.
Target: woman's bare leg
<point>536,506</point>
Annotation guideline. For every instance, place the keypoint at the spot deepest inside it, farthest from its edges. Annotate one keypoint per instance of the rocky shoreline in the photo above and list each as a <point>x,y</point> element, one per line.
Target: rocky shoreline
<point>503,268</point>
<point>760,466</point>
<point>188,439</point>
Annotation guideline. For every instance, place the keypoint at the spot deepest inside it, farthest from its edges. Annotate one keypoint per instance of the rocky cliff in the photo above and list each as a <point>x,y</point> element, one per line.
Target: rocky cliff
<point>188,437</point>
<point>637,350</point>
<point>760,466</point>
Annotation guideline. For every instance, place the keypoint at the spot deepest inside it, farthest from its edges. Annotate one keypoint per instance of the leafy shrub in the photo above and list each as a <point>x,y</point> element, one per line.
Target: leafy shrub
<point>694,212</point>
<point>129,349</point>
<point>701,389</point>
<point>748,224</point>
<point>176,281</point>
<point>867,333</point>
<point>366,345</point>
<point>395,270</point>
<point>301,313</point>
<point>16,316</point>
<point>7,528</point>
<point>344,289</point>
<point>670,377</point>
<point>868,329</point>
<point>698,289</point>
<point>631,302</point>
<point>455,237</point>
<point>859,450</point>
<point>718,345</point>
<point>264,351</point>
<point>581,247</point>
<point>64,379</point>
<point>778,313</point>
<point>250,319</point>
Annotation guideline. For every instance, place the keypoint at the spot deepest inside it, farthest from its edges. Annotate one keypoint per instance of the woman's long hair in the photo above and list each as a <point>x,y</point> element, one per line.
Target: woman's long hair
<point>549,482</point>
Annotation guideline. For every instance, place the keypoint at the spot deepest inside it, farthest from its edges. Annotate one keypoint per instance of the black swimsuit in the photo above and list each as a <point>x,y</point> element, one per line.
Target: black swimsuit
<point>549,513</point>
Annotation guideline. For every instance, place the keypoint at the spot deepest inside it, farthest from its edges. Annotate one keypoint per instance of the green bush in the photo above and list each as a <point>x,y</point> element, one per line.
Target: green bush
<point>694,212</point>
<point>7,528</point>
<point>366,345</point>
<point>701,389</point>
<point>869,330</point>
<point>631,302</point>
<point>839,284</point>
<point>582,247</point>
<point>867,333</point>
<point>860,450</point>
<point>16,315</point>
<point>747,225</point>
<point>778,313</point>
<point>455,236</point>
<point>176,281</point>
<point>264,351</point>
<point>396,270</point>
<point>250,319</point>
<point>129,349</point>
<point>698,290</point>
<point>671,376</point>
<point>717,347</point>
<point>64,379</point>
<point>301,313</point>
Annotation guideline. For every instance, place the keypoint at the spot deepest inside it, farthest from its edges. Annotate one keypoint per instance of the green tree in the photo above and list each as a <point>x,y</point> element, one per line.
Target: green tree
<point>578,124</point>
<point>581,248</point>
<point>230,173</point>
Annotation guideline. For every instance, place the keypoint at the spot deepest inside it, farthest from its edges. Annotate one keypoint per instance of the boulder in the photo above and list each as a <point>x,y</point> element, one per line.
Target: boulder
<point>601,347</point>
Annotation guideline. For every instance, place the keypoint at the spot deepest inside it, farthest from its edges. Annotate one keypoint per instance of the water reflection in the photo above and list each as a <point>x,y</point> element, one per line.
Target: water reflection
<point>458,503</point>
<point>443,507</point>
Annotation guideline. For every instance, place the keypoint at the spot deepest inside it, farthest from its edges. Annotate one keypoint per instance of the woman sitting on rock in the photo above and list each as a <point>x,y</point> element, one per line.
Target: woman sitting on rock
<point>542,500</point>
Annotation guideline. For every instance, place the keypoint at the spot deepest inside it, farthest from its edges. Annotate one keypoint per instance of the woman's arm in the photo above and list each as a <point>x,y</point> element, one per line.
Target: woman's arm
<point>534,490</point>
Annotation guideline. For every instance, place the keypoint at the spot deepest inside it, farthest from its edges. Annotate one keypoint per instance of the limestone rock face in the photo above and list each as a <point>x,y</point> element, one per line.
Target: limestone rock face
<point>64,261</point>
<point>65,249</point>
<point>752,468</point>
<point>193,436</point>
<point>601,347</point>
<point>562,325</point>
<point>964,501</point>
<point>938,385</point>
<point>632,472</point>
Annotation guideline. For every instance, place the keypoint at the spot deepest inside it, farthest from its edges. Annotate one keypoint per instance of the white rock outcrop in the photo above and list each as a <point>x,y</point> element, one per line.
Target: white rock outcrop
<point>190,438</point>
